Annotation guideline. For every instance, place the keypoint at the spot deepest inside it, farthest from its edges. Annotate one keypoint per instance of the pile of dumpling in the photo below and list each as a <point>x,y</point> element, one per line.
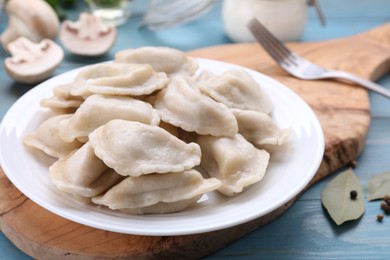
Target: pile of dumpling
<point>134,135</point>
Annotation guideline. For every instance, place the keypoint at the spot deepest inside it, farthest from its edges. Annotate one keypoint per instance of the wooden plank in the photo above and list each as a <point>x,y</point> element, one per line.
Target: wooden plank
<point>343,111</point>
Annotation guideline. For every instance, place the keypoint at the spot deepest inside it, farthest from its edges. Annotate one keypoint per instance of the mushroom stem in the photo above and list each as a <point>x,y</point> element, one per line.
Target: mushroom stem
<point>8,36</point>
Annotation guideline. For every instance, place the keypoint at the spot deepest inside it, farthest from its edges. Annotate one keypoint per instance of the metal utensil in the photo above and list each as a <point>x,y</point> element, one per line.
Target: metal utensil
<point>300,67</point>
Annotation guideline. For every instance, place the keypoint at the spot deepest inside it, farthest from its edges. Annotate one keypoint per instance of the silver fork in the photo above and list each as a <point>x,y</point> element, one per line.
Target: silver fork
<point>300,67</point>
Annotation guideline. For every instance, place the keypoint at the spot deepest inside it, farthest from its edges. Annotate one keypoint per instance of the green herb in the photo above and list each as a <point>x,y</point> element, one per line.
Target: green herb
<point>337,200</point>
<point>67,3</point>
<point>59,5</point>
<point>378,186</point>
<point>105,3</point>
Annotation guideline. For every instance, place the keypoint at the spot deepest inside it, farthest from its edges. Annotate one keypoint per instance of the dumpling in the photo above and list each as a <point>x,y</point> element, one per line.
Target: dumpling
<point>259,128</point>
<point>118,79</point>
<point>62,101</point>
<point>157,193</point>
<point>98,110</point>
<point>234,161</point>
<point>46,138</point>
<point>162,59</point>
<point>237,89</point>
<point>204,75</point>
<point>82,174</point>
<point>133,149</point>
<point>182,105</point>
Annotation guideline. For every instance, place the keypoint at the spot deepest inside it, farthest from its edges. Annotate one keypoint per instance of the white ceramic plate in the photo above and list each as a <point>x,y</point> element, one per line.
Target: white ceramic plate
<point>288,173</point>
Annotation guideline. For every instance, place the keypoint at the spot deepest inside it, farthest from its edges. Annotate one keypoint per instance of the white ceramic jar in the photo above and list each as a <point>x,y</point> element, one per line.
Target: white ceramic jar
<point>286,19</point>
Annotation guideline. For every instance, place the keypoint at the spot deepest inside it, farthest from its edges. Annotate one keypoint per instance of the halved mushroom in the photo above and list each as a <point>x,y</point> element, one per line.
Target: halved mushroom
<point>32,62</point>
<point>33,19</point>
<point>88,36</point>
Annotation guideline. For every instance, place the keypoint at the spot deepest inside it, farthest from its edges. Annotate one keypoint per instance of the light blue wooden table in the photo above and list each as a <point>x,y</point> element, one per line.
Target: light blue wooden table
<point>304,231</point>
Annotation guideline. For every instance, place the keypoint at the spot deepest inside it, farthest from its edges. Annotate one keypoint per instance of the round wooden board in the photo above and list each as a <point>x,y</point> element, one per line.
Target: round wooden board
<point>342,109</point>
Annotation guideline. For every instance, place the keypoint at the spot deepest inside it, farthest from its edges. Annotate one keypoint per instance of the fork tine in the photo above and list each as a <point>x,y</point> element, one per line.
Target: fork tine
<point>270,36</point>
<point>258,33</point>
<point>273,46</point>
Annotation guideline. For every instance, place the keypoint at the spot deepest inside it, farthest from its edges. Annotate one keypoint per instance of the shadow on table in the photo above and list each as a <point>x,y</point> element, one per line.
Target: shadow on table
<point>74,61</point>
<point>19,89</point>
<point>338,230</point>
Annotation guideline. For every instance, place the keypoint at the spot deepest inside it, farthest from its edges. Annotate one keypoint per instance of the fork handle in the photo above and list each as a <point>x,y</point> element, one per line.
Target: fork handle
<point>362,82</point>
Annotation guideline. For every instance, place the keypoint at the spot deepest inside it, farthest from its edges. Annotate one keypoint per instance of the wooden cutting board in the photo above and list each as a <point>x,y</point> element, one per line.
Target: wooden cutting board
<point>344,113</point>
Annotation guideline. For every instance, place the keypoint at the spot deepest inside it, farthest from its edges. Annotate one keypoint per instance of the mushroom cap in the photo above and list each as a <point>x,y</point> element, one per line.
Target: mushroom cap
<point>88,36</point>
<point>34,19</point>
<point>32,62</point>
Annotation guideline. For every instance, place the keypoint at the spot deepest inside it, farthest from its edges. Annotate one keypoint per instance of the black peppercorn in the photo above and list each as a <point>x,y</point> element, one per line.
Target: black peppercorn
<point>385,207</point>
<point>353,194</point>
<point>353,164</point>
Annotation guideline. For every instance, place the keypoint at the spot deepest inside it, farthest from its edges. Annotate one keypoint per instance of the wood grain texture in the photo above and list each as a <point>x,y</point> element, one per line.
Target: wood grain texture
<point>343,110</point>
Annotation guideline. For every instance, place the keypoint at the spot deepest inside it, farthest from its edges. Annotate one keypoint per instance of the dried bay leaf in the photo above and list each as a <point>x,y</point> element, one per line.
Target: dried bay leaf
<point>337,200</point>
<point>378,186</point>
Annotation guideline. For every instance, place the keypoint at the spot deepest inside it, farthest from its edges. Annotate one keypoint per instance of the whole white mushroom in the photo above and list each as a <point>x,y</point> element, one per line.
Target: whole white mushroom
<point>33,19</point>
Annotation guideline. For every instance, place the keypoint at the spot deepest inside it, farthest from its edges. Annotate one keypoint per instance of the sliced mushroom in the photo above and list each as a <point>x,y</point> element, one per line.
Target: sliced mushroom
<point>32,62</point>
<point>33,19</point>
<point>88,36</point>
